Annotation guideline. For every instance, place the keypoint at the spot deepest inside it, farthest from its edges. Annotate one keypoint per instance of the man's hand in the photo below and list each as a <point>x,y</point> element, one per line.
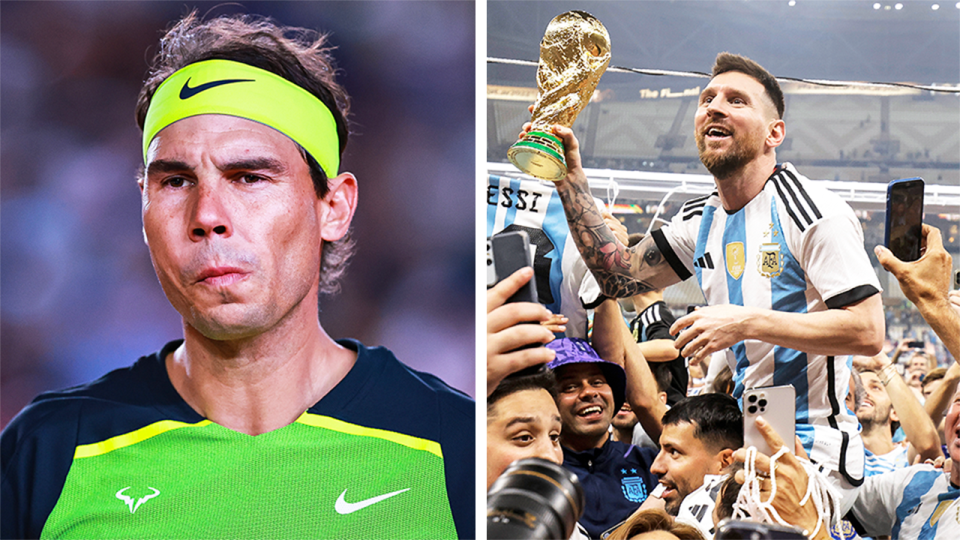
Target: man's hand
<point>556,323</point>
<point>791,480</point>
<point>954,297</point>
<point>505,333</point>
<point>709,329</point>
<point>871,363</point>
<point>571,147</point>
<point>618,229</point>
<point>926,283</point>
<point>928,278</point>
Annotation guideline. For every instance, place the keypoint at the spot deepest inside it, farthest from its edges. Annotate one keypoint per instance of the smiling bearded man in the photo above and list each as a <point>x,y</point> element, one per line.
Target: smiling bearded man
<point>256,424</point>
<point>779,259</point>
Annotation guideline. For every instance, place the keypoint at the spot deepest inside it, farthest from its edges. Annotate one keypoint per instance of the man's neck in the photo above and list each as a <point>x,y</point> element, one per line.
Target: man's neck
<point>644,300</point>
<point>579,443</point>
<point>877,438</point>
<point>743,185</point>
<point>262,383</point>
<point>623,435</point>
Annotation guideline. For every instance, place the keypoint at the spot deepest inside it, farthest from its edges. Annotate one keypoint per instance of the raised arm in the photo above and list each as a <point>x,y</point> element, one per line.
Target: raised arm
<point>938,400</point>
<point>612,338</point>
<point>926,283</point>
<point>620,271</point>
<point>919,429</point>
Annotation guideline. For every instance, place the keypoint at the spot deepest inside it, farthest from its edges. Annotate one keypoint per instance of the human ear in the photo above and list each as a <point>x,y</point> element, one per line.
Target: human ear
<point>777,133</point>
<point>726,458</point>
<point>337,207</point>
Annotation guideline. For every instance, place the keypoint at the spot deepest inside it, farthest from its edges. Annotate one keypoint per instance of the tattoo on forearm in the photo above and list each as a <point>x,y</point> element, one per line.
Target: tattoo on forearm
<point>618,269</point>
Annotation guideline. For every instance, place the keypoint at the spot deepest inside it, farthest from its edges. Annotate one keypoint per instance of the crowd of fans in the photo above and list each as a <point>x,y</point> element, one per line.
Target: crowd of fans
<point>604,413</point>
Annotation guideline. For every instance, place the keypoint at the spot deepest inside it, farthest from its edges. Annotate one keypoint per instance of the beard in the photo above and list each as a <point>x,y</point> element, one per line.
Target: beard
<point>673,507</point>
<point>875,418</point>
<point>723,164</point>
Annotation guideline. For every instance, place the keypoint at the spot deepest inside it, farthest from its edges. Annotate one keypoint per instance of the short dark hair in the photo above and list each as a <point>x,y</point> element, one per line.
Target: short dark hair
<point>299,55</point>
<point>661,374</point>
<point>717,417</point>
<point>734,62</point>
<point>517,383</point>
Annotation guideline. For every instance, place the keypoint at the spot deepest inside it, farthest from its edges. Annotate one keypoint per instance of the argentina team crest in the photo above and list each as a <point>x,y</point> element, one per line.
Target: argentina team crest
<point>633,488</point>
<point>736,260</point>
<point>770,260</point>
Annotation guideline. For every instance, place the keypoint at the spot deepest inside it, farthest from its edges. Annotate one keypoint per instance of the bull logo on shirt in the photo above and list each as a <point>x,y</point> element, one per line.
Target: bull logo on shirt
<point>770,260</point>
<point>634,489</point>
<point>736,261</point>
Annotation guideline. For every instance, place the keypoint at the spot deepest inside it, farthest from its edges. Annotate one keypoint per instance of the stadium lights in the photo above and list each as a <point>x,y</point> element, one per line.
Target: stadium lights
<point>898,6</point>
<point>792,3</point>
<point>877,5</point>
<point>935,7</point>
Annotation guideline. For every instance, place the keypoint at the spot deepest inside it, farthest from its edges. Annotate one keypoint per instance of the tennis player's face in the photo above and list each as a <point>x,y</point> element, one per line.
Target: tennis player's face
<point>234,226</point>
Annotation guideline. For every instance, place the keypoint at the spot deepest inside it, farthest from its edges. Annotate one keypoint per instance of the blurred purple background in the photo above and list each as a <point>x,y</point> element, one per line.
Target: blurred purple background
<point>79,295</point>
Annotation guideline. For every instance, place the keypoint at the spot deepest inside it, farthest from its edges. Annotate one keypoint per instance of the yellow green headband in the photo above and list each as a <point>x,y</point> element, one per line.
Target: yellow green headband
<point>237,89</point>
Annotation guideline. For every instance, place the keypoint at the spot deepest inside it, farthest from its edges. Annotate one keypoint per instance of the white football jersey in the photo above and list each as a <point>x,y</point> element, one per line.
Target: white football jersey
<point>796,247</point>
<point>564,284</point>
<point>916,503</point>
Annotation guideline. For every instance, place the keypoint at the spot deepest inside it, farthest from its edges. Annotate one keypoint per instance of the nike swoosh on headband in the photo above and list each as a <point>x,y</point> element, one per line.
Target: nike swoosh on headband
<point>186,92</point>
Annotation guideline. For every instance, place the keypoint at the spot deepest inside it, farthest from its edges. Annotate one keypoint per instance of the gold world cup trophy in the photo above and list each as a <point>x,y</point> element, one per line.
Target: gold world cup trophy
<point>574,53</point>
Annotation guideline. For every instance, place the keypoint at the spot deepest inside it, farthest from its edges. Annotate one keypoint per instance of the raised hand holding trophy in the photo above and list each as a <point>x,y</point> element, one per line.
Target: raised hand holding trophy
<point>574,53</point>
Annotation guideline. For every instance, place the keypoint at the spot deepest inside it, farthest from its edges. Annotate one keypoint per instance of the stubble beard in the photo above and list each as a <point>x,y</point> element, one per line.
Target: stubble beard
<point>724,164</point>
<point>673,507</point>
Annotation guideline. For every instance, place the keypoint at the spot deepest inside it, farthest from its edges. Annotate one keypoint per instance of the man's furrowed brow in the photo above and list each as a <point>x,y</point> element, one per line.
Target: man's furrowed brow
<point>162,166</point>
<point>255,164</point>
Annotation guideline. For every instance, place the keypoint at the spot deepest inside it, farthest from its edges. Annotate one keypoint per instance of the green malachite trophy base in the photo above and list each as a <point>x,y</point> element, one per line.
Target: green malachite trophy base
<point>540,155</point>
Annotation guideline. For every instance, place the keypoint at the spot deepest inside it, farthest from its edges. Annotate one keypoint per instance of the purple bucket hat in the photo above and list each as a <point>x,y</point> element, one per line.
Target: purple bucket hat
<point>579,351</point>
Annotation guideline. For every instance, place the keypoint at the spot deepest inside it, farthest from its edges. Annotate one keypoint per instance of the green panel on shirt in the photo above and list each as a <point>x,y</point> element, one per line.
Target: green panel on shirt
<point>205,481</point>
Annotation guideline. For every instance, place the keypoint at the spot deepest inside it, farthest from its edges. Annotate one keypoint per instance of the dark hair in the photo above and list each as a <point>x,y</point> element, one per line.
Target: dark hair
<point>662,374</point>
<point>723,382</point>
<point>654,519</point>
<point>544,379</point>
<point>729,491</point>
<point>717,417</point>
<point>734,62</point>
<point>299,55</point>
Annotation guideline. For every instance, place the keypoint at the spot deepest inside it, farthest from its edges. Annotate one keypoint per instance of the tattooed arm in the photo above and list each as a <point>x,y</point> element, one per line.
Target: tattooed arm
<point>620,271</point>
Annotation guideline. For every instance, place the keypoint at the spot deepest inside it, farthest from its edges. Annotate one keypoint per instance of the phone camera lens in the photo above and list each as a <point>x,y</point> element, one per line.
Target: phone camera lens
<point>752,398</point>
<point>763,403</point>
<point>752,409</point>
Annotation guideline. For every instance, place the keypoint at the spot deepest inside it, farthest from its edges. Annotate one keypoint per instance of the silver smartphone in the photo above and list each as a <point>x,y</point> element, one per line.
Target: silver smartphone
<point>777,405</point>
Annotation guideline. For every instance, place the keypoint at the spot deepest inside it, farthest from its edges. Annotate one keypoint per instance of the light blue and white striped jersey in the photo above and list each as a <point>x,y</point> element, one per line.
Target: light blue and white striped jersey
<point>915,503</point>
<point>564,283</point>
<point>796,247</point>
<point>884,463</point>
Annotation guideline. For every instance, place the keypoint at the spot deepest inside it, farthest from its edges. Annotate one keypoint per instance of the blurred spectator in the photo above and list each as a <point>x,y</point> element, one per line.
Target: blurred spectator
<point>889,400</point>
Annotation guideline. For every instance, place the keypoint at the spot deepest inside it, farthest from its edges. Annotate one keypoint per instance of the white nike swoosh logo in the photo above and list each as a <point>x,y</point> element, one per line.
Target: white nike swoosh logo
<point>343,507</point>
